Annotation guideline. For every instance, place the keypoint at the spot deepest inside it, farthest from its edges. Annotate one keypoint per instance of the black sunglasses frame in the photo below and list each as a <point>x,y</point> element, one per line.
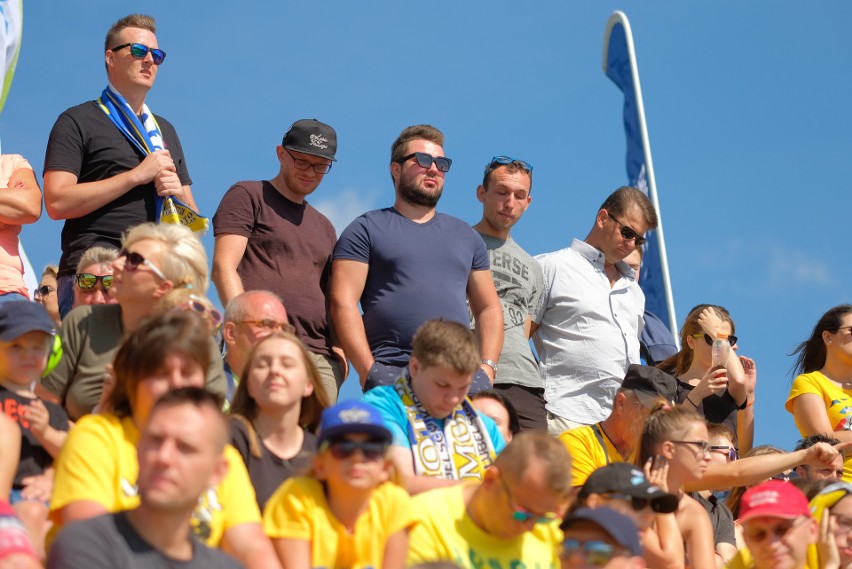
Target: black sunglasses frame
<point>343,449</point>
<point>106,284</point>
<point>425,161</point>
<point>732,339</point>
<point>628,232</point>
<point>140,50</point>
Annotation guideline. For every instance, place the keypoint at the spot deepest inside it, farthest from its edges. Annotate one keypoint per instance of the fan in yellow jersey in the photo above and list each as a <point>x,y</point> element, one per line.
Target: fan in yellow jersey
<point>97,469</point>
<point>346,513</point>
<point>509,519</point>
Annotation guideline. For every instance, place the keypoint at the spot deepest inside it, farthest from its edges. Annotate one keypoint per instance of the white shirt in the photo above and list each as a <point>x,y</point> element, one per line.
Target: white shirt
<point>588,331</point>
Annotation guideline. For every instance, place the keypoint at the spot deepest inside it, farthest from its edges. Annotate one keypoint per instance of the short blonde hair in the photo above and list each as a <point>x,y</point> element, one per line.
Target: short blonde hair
<point>186,262</point>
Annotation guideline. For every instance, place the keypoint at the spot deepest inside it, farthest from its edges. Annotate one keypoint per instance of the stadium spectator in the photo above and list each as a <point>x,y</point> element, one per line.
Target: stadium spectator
<point>46,293</point>
<point>813,473</point>
<point>600,538</point>
<point>587,323</point>
<point>97,177</point>
<point>407,264</point>
<point>269,237</point>
<point>722,451</point>
<point>94,276</point>
<point>495,404</point>
<point>20,204</point>
<point>831,508</point>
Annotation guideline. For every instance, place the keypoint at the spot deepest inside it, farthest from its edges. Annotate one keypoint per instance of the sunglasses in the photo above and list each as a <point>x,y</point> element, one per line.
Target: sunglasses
<point>503,160</point>
<point>269,324</point>
<point>45,290</point>
<point>595,553</point>
<point>442,163</point>
<point>88,281</point>
<point>302,164</point>
<point>133,260</point>
<point>785,476</point>
<point>523,515</point>
<point>341,449</point>
<point>197,305</point>
<point>638,504</point>
<point>730,453</point>
<point>139,51</point>
<point>732,340</point>
<point>628,232</point>
<point>779,531</point>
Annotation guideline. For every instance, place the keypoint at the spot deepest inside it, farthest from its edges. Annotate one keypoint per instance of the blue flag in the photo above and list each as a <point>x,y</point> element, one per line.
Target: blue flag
<point>619,66</point>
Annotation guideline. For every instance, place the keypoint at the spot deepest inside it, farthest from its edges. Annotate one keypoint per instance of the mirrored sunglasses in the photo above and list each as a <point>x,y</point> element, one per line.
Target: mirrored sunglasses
<point>88,281</point>
<point>139,51</point>
<point>503,160</point>
<point>595,553</point>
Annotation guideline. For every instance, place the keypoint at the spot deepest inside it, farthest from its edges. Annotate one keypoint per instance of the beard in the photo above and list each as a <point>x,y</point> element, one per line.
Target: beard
<point>414,195</point>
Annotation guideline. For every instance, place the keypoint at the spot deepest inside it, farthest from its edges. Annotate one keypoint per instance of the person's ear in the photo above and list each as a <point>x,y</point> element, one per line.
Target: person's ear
<point>229,332</point>
<point>219,472</point>
<point>601,218</point>
<point>667,450</point>
<point>480,193</point>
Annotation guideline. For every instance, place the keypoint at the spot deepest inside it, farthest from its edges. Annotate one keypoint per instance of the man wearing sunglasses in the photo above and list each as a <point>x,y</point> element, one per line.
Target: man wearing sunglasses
<point>268,237</point>
<point>510,518</point>
<point>95,178</point>
<point>505,196</point>
<point>587,323</point>
<point>407,264</point>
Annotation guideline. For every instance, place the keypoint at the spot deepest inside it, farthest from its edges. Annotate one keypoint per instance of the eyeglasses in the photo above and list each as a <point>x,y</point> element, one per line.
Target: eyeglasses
<point>442,163</point>
<point>139,51</point>
<point>779,531</point>
<point>197,305</point>
<point>732,340</point>
<point>523,515</point>
<point>503,160</point>
<point>133,260</point>
<point>786,476</point>
<point>844,328</point>
<point>45,290</point>
<point>341,449</point>
<point>596,553</point>
<point>703,446</point>
<point>638,504</point>
<point>272,325</point>
<point>730,453</point>
<point>88,281</point>
<point>628,232</point>
<point>302,164</point>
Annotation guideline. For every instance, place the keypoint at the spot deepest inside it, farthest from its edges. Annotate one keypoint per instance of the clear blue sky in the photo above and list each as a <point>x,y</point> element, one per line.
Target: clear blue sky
<point>746,106</point>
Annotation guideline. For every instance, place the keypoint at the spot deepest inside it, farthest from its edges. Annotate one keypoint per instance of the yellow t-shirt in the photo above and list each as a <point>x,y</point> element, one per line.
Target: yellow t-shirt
<point>299,510</point>
<point>98,463</point>
<point>445,532</point>
<point>587,452</point>
<point>838,406</point>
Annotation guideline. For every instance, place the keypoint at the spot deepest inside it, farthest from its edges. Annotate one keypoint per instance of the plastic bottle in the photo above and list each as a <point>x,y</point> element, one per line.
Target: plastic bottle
<point>721,350</point>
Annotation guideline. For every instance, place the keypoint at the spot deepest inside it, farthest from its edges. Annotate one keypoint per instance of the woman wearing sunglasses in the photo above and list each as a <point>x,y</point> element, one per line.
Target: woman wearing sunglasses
<point>275,412</point>
<point>679,437</point>
<point>345,513</point>
<point>722,395</point>
<point>155,260</point>
<point>97,468</point>
<point>94,277</point>
<point>46,293</point>
<point>822,394</point>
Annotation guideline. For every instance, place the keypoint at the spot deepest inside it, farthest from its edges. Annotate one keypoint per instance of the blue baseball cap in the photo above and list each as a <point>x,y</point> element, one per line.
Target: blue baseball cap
<point>18,318</point>
<point>351,417</point>
<point>619,527</point>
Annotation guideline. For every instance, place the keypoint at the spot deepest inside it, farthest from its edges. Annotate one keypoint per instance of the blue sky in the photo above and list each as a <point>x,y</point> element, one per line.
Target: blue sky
<point>745,104</point>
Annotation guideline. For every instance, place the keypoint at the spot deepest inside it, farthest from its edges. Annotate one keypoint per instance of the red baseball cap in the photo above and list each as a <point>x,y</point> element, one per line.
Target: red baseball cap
<point>774,499</point>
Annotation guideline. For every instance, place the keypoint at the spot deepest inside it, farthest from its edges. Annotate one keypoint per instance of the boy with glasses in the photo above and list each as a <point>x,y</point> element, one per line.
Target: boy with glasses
<point>600,538</point>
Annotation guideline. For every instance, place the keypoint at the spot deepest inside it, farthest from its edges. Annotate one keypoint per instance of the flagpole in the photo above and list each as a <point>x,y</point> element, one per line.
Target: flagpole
<point>618,17</point>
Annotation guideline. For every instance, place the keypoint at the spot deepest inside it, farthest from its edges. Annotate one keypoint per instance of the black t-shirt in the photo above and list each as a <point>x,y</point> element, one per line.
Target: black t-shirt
<point>86,143</point>
<point>34,458</point>
<point>269,471</point>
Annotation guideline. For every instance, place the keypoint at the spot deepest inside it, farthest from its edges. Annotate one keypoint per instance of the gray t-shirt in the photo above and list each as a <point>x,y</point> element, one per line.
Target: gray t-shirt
<point>109,541</point>
<point>519,281</point>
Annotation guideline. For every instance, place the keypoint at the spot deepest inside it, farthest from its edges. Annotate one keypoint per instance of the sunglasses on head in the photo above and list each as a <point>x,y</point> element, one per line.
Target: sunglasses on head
<point>424,160</point>
<point>133,260</point>
<point>341,449</point>
<point>139,51</point>
<point>88,281</point>
<point>732,340</point>
<point>199,307</point>
<point>628,232</point>
<point>503,160</point>
<point>595,553</point>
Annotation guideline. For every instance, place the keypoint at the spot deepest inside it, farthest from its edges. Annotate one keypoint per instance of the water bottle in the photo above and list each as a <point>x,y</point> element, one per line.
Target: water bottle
<point>721,350</point>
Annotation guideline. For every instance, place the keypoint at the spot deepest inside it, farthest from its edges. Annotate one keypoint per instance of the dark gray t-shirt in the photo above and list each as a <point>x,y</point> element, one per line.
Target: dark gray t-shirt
<point>519,281</point>
<point>109,541</point>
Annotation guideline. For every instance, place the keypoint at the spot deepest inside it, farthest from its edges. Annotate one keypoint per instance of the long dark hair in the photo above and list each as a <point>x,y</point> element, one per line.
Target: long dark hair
<point>679,363</point>
<point>810,354</point>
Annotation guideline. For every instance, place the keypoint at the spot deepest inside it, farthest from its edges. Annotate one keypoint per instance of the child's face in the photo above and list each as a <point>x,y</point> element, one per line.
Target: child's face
<point>360,469</point>
<point>438,388</point>
<point>277,376</point>
<point>23,359</point>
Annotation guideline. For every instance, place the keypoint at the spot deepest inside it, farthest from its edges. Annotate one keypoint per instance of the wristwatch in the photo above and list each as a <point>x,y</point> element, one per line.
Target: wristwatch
<point>490,363</point>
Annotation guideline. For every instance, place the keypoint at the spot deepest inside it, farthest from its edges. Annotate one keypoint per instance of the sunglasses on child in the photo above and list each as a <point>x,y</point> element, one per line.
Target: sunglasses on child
<point>732,340</point>
<point>139,51</point>
<point>442,163</point>
<point>88,281</point>
<point>341,449</point>
<point>595,553</point>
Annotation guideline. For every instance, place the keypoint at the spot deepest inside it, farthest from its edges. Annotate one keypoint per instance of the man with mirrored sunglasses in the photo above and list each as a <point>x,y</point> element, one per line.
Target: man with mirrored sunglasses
<point>510,518</point>
<point>587,323</point>
<point>95,177</point>
<point>268,237</point>
<point>505,196</point>
<point>407,264</point>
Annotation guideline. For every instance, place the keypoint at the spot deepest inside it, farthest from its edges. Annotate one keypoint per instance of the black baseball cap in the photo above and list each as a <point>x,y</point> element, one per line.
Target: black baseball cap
<point>625,478</point>
<point>650,384</point>
<point>311,137</point>
<point>18,318</point>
